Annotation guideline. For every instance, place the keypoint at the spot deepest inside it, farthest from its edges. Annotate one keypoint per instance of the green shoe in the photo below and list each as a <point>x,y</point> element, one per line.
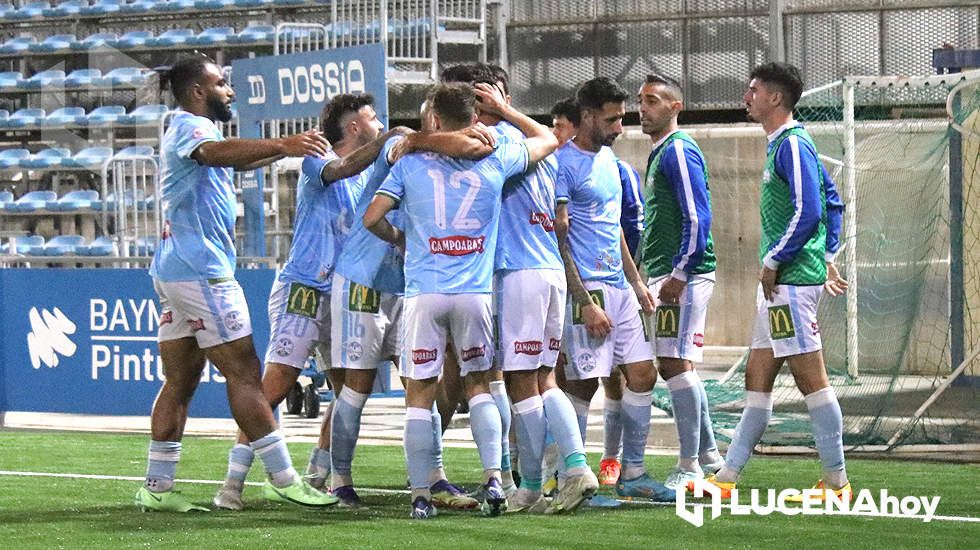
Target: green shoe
<point>300,492</point>
<point>167,501</point>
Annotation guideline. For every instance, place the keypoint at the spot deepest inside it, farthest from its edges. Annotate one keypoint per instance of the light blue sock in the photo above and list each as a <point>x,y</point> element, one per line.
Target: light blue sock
<point>272,450</point>
<point>686,403</point>
<point>345,425</point>
<point>161,466</point>
<point>612,420</point>
<point>485,425</point>
<point>827,423</point>
<point>318,470</point>
<point>707,447</point>
<point>240,459</point>
<point>418,446</point>
<point>581,408</point>
<point>436,472</point>
<point>563,425</point>
<point>531,427</point>
<point>755,419</point>
<point>636,428</point>
<point>499,393</point>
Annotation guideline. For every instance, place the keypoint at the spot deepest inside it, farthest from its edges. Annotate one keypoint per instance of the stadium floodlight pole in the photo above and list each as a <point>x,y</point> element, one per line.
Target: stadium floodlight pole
<point>850,228</point>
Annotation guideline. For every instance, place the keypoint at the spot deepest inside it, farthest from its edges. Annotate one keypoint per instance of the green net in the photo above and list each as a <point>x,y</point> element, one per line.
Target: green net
<point>904,167</point>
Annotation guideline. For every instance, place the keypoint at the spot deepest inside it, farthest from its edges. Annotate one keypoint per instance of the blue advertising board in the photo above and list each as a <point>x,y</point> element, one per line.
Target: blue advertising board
<point>297,86</point>
<point>84,341</point>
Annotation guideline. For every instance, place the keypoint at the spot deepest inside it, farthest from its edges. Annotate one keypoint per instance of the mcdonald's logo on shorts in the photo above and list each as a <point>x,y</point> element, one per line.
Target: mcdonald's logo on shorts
<point>781,323</point>
<point>303,300</point>
<point>598,298</point>
<point>363,299</point>
<point>668,321</point>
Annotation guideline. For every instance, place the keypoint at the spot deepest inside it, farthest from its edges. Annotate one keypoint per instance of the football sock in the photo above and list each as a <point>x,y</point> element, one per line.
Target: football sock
<point>345,425</point>
<point>161,467</point>
<point>271,450</point>
<point>636,428</point>
<point>827,423</point>
<point>707,447</point>
<point>612,417</point>
<point>686,403</point>
<point>562,424</point>
<point>240,459</point>
<point>436,472</point>
<point>418,449</point>
<point>499,393</point>
<point>531,426</point>
<point>485,426</point>
<point>755,419</point>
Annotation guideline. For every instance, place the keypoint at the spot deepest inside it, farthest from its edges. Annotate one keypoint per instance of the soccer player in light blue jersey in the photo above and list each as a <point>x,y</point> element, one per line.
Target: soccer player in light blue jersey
<point>327,192</point>
<point>451,212</point>
<point>603,326</point>
<point>203,309</point>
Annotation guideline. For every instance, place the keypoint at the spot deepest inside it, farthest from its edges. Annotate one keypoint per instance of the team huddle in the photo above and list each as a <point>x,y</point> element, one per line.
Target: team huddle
<point>501,265</point>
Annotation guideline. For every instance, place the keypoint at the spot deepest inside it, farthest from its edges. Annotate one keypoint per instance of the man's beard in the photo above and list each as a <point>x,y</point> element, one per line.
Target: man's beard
<point>218,110</point>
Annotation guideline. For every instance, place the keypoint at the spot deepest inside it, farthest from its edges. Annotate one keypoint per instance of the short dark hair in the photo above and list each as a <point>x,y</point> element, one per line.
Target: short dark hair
<point>783,76</point>
<point>500,75</point>
<point>185,73</point>
<point>567,108</point>
<point>595,93</point>
<point>454,102</point>
<point>331,118</point>
<point>473,73</point>
<point>667,82</point>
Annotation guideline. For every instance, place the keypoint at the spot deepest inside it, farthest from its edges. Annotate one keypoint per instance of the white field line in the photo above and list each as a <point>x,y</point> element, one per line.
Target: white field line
<point>375,491</point>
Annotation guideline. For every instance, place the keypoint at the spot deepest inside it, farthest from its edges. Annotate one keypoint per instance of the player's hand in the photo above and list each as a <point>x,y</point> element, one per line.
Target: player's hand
<point>835,284</point>
<point>400,240</point>
<point>670,291</point>
<point>644,296</point>
<point>597,323</point>
<point>400,149</point>
<point>768,279</point>
<point>480,133</point>
<point>309,143</point>
<point>489,98</point>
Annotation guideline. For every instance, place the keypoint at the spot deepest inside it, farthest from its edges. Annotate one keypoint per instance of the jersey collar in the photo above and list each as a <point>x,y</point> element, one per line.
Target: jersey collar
<point>778,131</point>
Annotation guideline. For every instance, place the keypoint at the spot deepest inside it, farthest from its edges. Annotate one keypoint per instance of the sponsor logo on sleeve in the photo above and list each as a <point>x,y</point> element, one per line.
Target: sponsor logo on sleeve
<point>457,245</point>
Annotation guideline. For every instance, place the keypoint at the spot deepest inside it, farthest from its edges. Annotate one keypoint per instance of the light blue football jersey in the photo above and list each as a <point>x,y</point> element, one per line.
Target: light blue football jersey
<point>198,204</point>
<point>367,260</point>
<point>324,218</point>
<point>589,183</point>
<point>527,214</point>
<point>451,210</point>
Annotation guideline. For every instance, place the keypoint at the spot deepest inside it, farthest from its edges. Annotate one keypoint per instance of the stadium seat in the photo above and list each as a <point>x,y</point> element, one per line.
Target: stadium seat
<point>134,151</point>
<point>23,244</point>
<point>123,76</point>
<point>94,41</point>
<point>253,34</point>
<point>5,197</point>
<point>53,43</point>
<point>9,80</point>
<point>102,246</point>
<point>289,2</point>
<point>144,114</point>
<point>74,201</point>
<point>52,157</point>
<point>131,199</point>
<point>212,36</point>
<point>64,116</point>
<point>171,38</point>
<point>23,118</point>
<point>90,158</point>
<point>52,78</point>
<point>213,4</point>
<point>65,9</point>
<point>27,11</point>
<point>31,202</point>
<point>171,6</point>
<point>60,245</point>
<point>136,6</point>
<point>102,7</point>
<point>132,39</point>
<point>104,116</point>
<point>82,77</point>
<point>252,3</point>
<point>17,44</point>
<point>10,158</point>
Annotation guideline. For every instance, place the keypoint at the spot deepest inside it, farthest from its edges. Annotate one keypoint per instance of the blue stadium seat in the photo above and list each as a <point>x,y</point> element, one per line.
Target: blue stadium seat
<point>60,245</point>
<point>17,44</point>
<point>10,158</point>
<point>104,116</point>
<point>102,7</point>
<point>173,5</point>
<point>102,246</point>
<point>82,77</point>
<point>65,9</point>
<point>5,197</point>
<point>253,34</point>
<point>122,77</point>
<point>144,114</point>
<point>5,7</point>
<point>64,116</point>
<point>23,244</point>
<point>31,202</point>
<point>51,157</point>
<point>252,3</point>
<point>132,39</point>
<point>131,199</point>
<point>94,41</point>
<point>23,118</point>
<point>136,6</point>
<point>289,2</point>
<point>171,38</point>
<point>27,11</point>
<point>213,4</point>
<point>212,36</point>
<point>74,201</point>
<point>89,158</point>
<point>134,151</point>
<point>52,78</point>
<point>53,43</point>
<point>9,80</point>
